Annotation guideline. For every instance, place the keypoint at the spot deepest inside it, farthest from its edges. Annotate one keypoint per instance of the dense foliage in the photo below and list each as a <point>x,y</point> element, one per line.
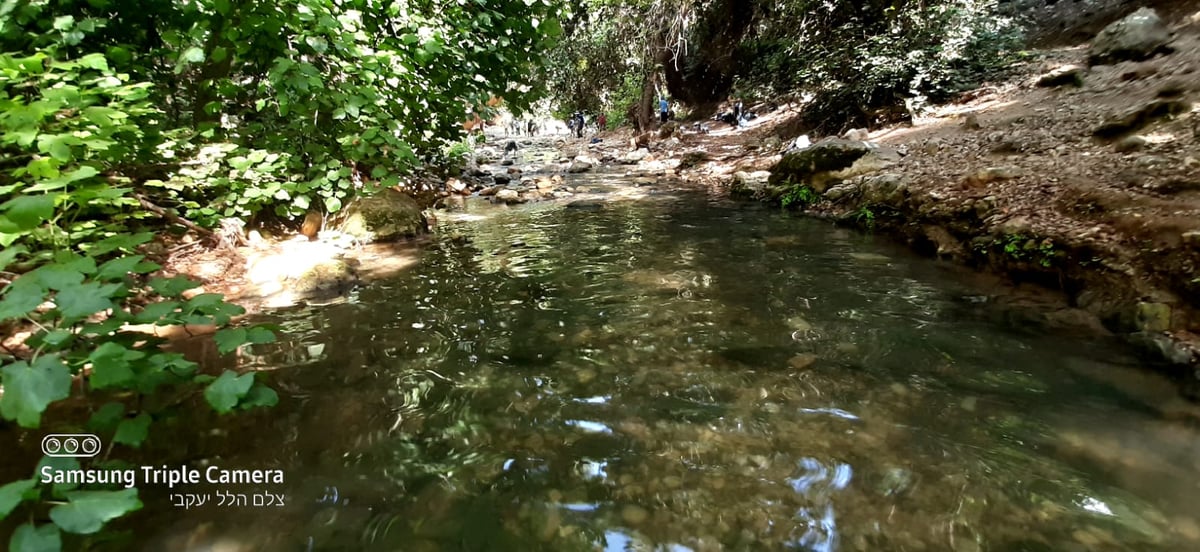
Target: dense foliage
<point>863,62</point>
<point>120,118</point>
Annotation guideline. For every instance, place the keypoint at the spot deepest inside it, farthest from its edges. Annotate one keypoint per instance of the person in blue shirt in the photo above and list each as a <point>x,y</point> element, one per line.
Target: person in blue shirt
<point>664,108</point>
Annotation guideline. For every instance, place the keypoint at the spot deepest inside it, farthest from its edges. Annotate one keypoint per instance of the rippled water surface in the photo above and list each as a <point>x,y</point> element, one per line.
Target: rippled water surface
<point>680,373</point>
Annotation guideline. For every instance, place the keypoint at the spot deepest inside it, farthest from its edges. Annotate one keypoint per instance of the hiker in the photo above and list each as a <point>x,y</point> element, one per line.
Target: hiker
<point>602,121</point>
<point>737,114</point>
<point>664,109</point>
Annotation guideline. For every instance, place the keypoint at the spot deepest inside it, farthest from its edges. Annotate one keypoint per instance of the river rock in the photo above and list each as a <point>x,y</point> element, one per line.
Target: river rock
<point>635,156</point>
<point>1140,116</point>
<point>501,178</point>
<point>993,174</point>
<point>859,134</point>
<point>885,189</point>
<point>385,216</point>
<point>811,165</point>
<point>1062,76</point>
<point>1153,317</point>
<point>749,184</point>
<point>1140,35</point>
<point>668,129</point>
<point>578,167</point>
<point>508,195</point>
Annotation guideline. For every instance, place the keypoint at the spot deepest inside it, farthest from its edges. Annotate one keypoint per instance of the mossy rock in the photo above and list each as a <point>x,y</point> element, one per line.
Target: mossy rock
<point>331,275</point>
<point>387,216</point>
<point>831,155</point>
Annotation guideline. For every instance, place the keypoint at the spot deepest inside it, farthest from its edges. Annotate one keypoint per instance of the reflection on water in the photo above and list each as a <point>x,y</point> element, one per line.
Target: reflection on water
<point>676,373</point>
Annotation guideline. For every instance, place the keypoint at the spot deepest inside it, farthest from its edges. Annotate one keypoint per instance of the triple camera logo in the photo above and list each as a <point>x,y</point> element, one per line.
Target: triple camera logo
<point>71,445</point>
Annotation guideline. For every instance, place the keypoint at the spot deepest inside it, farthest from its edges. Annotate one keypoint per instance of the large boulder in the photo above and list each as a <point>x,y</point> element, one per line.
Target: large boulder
<point>635,156</point>
<point>829,161</point>
<point>1140,35</point>
<point>749,184</point>
<point>386,216</point>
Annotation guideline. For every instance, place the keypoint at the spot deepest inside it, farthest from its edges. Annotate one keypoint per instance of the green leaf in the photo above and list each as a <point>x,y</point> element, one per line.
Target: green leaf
<point>229,339</point>
<point>13,494</point>
<point>224,393</point>
<point>94,61</point>
<point>28,390</point>
<point>116,269</point>
<point>64,22</point>
<point>155,312</point>
<point>21,297</point>
<point>173,286</point>
<point>51,184</point>
<point>43,538</point>
<point>110,365</point>
<point>107,418</point>
<point>78,302</point>
<point>58,145</point>
<point>193,55</point>
<point>58,464</point>
<point>260,396</point>
<point>86,512</point>
<point>58,276</point>
<point>260,334</point>
<point>333,204</point>
<point>29,211</point>
<point>134,431</point>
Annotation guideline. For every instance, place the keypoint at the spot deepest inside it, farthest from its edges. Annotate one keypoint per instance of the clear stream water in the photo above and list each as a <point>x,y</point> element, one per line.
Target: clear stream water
<point>678,372</point>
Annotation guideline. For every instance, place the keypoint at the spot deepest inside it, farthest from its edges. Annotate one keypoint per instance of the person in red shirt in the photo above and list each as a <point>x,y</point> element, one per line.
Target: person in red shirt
<point>602,121</point>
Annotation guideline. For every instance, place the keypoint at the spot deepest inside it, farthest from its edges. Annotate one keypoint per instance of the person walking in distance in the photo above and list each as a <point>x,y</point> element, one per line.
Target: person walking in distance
<point>602,122</point>
<point>664,109</point>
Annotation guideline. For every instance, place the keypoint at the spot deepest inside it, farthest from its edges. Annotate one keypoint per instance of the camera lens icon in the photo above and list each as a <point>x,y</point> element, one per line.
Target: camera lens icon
<point>71,445</point>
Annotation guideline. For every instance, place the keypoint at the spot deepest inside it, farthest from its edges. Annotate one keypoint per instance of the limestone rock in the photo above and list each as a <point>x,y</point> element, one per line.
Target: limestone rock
<point>1138,117</point>
<point>859,134</point>
<point>578,166</point>
<point>386,216</point>
<point>1153,317</point>
<point>509,196</point>
<point>501,178</point>
<point>993,174</point>
<point>884,189</point>
<point>1140,35</point>
<point>490,191</point>
<point>1129,143</point>
<point>1062,76</point>
<point>749,184</point>
<point>455,185</point>
<point>826,156</point>
<point>635,156</point>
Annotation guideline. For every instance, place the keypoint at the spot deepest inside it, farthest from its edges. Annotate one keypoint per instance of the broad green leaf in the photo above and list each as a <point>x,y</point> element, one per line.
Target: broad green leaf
<point>193,55</point>
<point>29,211</point>
<point>224,393</point>
<point>86,512</point>
<point>110,365</point>
<point>29,389</point>
<point>43,538</point>
<point>94,61</point>
<point>58,464</point>
<point>173,286</point>
<point>155,312</point>
<point>13,494</point>
<point>260,396</point>
<point>107,418</point>
<point>9,254</point>
<point>333,204</point>
<point>260,334</point>
<point>116,269</point>
<point>133,432</point>
<point>120,241</point>
<point>51,184</point>
<point>58,276</point>
<point>64,22</point>
<point>229,339</point>
<point>21,297</point>
<point>80,301</point>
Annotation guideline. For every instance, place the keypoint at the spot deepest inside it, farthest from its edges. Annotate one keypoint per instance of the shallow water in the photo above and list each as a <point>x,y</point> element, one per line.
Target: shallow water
<point>677,372</point>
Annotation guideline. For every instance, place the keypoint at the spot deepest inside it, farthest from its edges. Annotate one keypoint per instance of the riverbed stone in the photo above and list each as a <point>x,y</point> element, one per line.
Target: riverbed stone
<point>1140,35</point>
<point>812,165</point>
<point>1063,76</point>
<point>1138,117</point>
<point>1153,317</point>
<point>385,216</point>
<point>635,156</point>
<point>508,195</point>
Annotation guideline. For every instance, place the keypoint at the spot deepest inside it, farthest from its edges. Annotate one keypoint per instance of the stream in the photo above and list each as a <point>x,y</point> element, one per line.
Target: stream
<point>646,369</point>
